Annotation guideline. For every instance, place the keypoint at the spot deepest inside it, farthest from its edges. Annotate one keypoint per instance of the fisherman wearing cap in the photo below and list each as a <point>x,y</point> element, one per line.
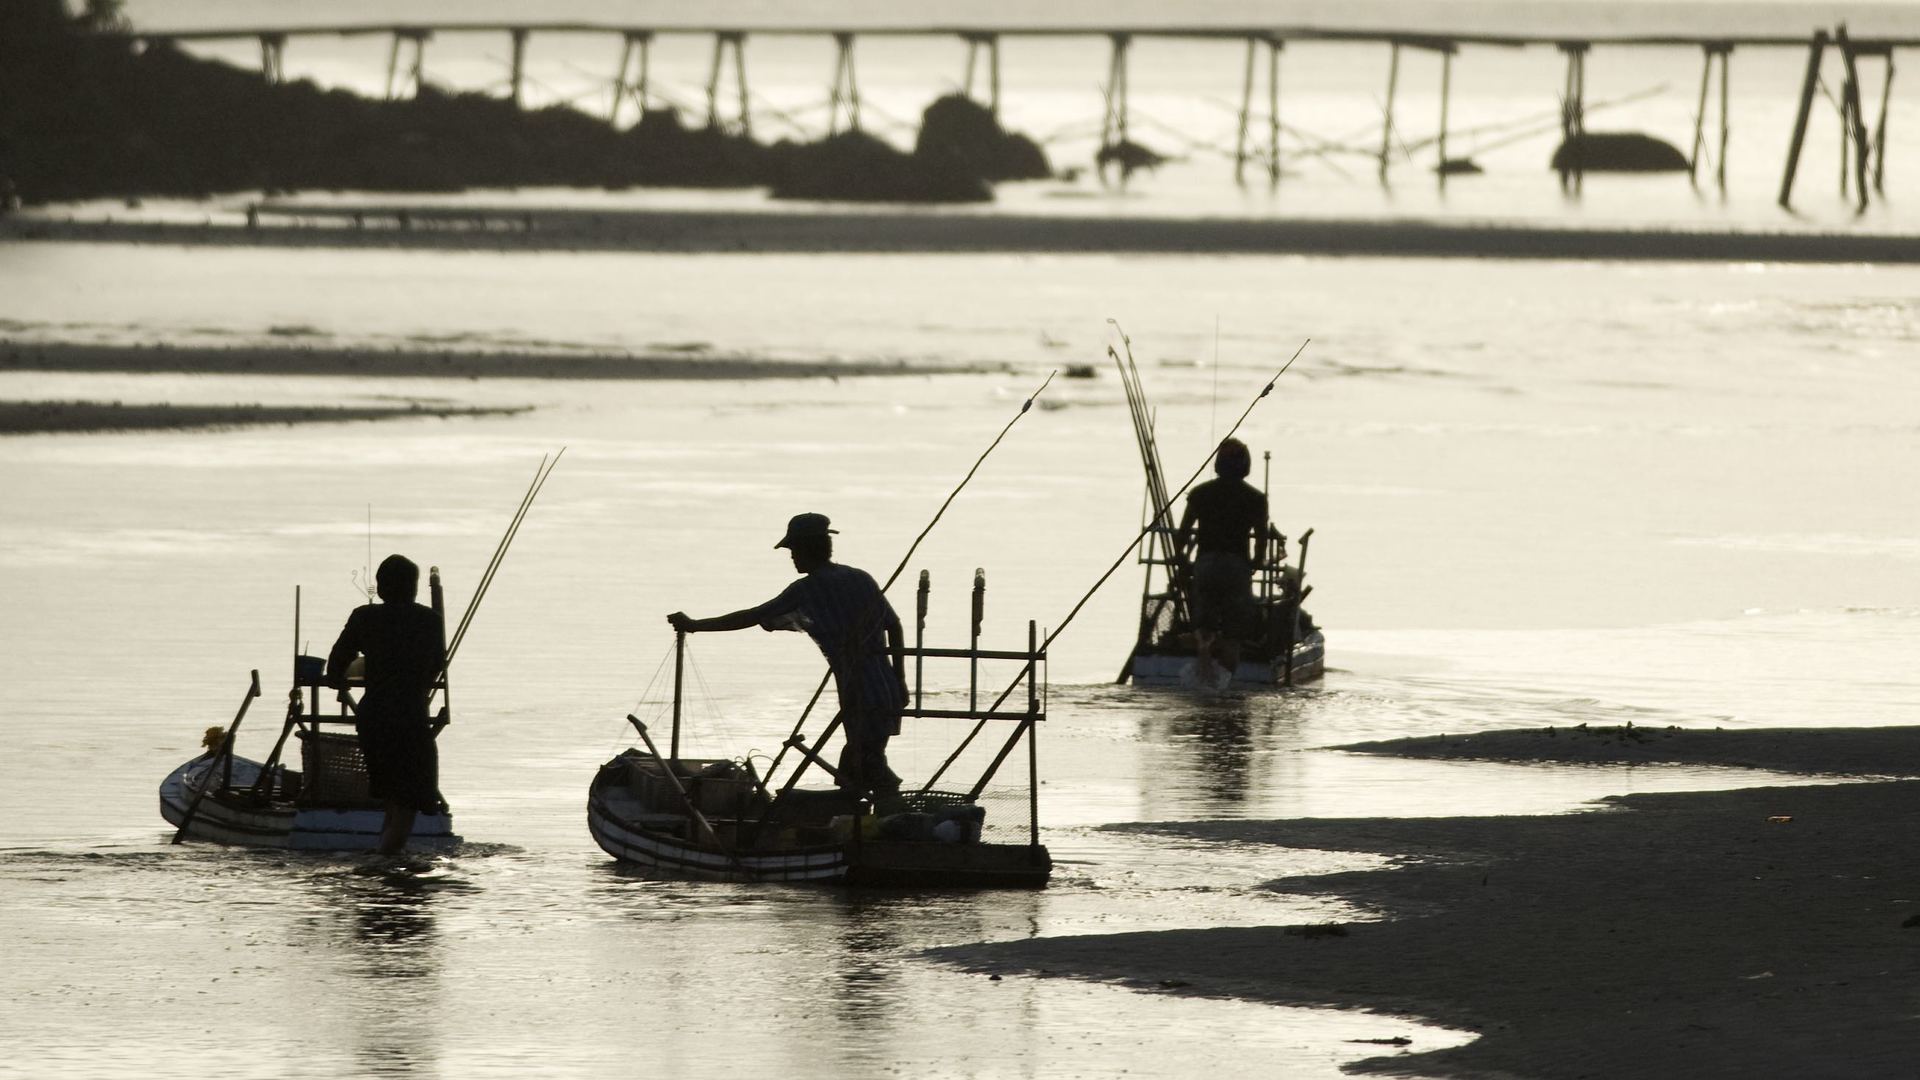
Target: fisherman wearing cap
<point>1221,515</point>
<point>843,610</point>
<point>404,652</point>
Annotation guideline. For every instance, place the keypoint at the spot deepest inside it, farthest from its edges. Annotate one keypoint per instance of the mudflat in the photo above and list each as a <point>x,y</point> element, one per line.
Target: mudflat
<point>1759,932</point>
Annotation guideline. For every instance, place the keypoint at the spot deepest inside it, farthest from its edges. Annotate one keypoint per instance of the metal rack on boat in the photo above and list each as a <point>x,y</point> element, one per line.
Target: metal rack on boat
<point>721,819</point>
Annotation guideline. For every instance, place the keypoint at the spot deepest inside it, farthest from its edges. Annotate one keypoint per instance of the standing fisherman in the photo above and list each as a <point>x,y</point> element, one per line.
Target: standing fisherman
<point>843,610</point>
<point>402,641</point>
<point>1222,514</point>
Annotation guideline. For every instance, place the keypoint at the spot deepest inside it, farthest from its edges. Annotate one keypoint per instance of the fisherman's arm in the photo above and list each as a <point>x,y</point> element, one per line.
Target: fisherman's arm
<point>766,613</point>
<point>345,648</point>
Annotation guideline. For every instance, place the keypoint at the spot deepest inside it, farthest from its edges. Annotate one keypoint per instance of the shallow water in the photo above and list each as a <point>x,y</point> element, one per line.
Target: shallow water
<point>1545,494</point>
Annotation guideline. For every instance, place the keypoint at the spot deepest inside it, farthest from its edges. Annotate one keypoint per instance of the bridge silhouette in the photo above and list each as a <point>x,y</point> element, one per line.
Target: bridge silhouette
<point>1864,141</point>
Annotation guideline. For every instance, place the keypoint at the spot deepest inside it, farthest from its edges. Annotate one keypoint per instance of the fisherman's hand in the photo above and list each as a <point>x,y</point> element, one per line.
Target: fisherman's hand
<point>682,622</point>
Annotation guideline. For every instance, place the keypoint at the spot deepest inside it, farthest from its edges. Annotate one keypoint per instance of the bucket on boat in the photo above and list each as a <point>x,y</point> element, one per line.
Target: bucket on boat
<point>309,670</point>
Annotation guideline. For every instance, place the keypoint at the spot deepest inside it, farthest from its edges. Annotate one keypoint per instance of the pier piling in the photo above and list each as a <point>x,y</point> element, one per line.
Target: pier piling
<point>416,72</point>
<point>1247,86</point>
<point>735,40</point>
<point>1710,53</point>
<point>845,93</point>
<point>991,42</point>
<point>1113,127</point>
<point>1446,90</point>
<point>1386,120</point>
<point>630,43</point>
<point>1853,119</point>
<point>1573,112</point>
<point>1815,50</point>
<point>272,58</point>
<point>517,80</point>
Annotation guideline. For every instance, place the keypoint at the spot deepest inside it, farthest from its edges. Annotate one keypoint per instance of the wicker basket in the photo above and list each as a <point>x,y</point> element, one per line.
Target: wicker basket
<point>334,773</point>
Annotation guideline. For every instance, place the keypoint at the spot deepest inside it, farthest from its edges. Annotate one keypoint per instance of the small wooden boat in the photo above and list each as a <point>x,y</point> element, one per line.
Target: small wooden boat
<point>322,806</point>
<point>1282,647</point>
<point>716,819</point>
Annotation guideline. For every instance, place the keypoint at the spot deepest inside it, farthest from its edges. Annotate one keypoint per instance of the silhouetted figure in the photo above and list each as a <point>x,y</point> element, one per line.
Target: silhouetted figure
<point>1222,514</point>
<point>404,652</point>
<point>843,610</point>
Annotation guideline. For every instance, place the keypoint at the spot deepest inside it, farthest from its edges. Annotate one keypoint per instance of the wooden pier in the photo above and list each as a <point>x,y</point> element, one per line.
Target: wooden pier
<point>1864,142</point>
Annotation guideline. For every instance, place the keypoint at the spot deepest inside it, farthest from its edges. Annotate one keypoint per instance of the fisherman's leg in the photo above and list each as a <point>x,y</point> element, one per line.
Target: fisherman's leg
<point>398,828</point>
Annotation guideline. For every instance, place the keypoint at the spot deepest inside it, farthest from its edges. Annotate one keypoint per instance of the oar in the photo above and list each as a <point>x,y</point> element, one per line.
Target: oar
<point>680,789</point>
<point>225,751</point>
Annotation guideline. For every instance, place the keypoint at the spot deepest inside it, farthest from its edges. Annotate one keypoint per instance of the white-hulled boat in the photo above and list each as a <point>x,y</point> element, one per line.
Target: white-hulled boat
<point>232,814</point>
<point>324,805</point>
<point>716,819</point>
<point>1281,648</point>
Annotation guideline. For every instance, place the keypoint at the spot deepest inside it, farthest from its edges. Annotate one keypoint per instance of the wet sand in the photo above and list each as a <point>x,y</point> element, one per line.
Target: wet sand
<point>438,363</point>
<point>41,417</point>
<point>1761,932</point>
<point>869,231</point>
<point>1843,751</point>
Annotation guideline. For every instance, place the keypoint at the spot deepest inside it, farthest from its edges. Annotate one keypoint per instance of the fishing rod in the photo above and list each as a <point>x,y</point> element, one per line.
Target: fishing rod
<point>500,551</point>
<point>904,559</point>
<point>1064,623</point>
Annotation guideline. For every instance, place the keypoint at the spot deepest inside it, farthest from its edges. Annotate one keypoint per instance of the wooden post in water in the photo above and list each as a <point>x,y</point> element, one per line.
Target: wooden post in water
<point>1246,111</point>
<point>1446,88</point>
<point>1273,111</point>
<point>1720,161</point>
<point>1853,115</point>
<point>993,75</point>
<point>272,59</point>
<point>1815,49</point>
<point>1386,124</point>
<point>518,78</point>
<point>1880,128</point>
<point>713,81</point>
<point>1573,113</point>
<point>393,63</point>
<point>1700,116</point>
<point>1113,128</point>
<point>845,92</point>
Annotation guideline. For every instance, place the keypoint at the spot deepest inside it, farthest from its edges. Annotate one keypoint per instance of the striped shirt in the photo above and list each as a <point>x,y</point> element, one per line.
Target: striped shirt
<point>843,610</point>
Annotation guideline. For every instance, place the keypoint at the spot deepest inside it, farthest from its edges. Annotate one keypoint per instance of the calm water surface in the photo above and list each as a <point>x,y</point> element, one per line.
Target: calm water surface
<point>1544,494</point>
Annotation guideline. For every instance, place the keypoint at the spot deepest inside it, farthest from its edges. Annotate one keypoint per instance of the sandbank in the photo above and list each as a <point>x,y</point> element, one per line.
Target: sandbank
<point>1843,751</point>
<point>936,231</point>
<point>1759,932</point>
<point>41,417</point>
<point>438,363</point>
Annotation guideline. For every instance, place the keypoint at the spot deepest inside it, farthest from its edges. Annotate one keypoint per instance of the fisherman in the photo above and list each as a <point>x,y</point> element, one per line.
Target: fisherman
<point>405,650</point>
<point>1221,515</point>
<point>843,610</point>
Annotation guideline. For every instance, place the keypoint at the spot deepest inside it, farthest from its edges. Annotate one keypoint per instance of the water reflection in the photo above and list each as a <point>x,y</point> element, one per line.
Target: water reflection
<point>380,916</point>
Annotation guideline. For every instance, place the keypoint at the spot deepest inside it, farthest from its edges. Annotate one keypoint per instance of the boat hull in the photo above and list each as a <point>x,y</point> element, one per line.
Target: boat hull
<point>665,842</point>
<point>1167,669</point>
<point>283,825</point>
